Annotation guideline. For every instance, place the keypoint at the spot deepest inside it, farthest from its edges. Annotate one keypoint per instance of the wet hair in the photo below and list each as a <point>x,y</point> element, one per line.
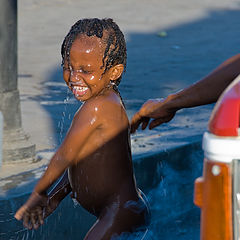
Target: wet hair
<point>115,51</point>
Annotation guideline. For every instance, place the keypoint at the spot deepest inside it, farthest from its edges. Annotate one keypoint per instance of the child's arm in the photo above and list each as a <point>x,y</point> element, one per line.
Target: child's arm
<point>203,92</point>
<point>85,122</point>
<point>47,203</point>
<point>57,194</point>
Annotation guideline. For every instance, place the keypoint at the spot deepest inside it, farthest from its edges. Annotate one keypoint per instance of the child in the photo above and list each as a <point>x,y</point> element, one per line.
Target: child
<point>96,153</point>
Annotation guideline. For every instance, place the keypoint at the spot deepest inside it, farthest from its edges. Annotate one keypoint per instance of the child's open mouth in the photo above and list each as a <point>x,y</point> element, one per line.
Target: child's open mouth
<point>79,91</point>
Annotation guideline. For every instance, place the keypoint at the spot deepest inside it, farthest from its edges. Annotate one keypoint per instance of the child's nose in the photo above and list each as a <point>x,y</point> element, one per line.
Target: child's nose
<point>75,77</point>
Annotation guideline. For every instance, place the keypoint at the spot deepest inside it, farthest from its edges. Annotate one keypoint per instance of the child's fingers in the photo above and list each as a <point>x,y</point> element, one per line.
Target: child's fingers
<point>40,215</point>
<point>19,214</point>
<point>26,221</point>
<point>33,218</point>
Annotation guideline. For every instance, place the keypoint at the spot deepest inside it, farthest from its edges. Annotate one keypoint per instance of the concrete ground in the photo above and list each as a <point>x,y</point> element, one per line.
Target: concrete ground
<point>171,44</point>
<point>200,35</point>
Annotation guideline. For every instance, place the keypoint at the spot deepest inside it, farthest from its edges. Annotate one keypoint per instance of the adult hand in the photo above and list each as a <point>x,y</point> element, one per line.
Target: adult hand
<point>156,109</point>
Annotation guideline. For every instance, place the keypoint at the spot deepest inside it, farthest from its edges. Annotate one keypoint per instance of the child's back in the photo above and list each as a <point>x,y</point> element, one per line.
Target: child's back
<point>103,180</point>
<point>105,170</point>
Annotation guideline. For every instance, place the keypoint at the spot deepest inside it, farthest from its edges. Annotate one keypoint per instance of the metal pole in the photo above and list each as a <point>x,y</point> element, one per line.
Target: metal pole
<point>1,137</point>
<point>16,146</point>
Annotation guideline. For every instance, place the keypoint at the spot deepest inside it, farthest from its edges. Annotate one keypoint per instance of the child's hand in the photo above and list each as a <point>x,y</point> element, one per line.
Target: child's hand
<point>32,212</point>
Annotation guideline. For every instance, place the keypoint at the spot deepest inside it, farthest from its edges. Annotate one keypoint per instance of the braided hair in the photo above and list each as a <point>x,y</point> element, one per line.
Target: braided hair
<point>115,51</point>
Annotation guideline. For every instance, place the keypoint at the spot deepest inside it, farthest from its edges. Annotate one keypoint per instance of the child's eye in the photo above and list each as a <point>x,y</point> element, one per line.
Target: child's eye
<point>84,71</point>
<point>66,69</point>
<point>71,70</point>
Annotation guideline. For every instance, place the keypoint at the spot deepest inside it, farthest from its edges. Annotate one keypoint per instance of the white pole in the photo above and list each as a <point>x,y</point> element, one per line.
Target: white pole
<point>1,137</point>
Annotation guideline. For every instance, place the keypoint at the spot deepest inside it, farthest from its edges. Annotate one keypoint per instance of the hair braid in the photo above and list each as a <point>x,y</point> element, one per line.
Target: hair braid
<point>115,50</point>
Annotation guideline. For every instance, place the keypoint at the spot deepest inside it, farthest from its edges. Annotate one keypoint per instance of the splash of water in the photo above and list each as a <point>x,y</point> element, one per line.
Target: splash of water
<point>62,121</point>
<point>140,235</point>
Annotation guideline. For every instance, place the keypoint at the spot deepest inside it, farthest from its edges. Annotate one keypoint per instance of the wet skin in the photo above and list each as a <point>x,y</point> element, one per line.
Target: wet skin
<point>96,151</point>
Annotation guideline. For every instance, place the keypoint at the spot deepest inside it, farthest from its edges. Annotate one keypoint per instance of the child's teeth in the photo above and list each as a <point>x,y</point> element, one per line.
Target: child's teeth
<point>81,88</point>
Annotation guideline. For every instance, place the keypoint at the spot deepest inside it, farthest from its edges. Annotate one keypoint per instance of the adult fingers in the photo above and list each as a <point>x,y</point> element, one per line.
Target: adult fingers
<point>156,122</point>
<point>145,122</point>
<point>135,122</point>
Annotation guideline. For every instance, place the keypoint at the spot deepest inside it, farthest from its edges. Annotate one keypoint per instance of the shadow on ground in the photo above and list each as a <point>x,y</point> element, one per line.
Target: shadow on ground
<point>157,66</point>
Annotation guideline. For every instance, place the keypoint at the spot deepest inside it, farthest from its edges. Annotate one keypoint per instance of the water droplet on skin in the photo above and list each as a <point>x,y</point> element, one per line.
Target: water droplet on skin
<point>92,77</point>
<point>75,202</point>
<point>88,51</point>
<point>96,109</point>
<point>93,121</point>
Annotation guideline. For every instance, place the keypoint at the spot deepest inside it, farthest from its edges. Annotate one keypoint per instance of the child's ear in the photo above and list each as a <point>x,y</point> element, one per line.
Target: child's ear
<point>116,72</point>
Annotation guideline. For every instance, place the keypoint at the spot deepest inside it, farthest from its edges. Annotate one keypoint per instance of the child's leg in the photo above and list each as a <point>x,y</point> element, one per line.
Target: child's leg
<point>120,222</point>
<point>138,235</point>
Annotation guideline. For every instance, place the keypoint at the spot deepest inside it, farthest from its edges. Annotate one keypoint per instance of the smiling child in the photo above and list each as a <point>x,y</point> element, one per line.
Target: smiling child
<point>95,156</point>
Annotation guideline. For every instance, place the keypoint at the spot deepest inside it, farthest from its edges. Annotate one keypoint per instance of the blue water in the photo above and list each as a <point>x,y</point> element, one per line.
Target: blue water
<point>166,178</point>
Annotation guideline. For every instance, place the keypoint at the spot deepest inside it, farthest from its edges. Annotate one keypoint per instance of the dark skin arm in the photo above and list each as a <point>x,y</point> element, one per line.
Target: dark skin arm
<point>205,91</point>
<point>66,155</point>
<point>47,203</point>
<point>57,194</point>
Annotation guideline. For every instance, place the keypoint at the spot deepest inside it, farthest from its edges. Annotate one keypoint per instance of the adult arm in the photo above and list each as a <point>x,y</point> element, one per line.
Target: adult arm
<point>205,91</point>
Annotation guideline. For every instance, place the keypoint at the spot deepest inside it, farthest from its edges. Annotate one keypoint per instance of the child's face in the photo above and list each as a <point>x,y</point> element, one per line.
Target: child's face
<point>84,75</point>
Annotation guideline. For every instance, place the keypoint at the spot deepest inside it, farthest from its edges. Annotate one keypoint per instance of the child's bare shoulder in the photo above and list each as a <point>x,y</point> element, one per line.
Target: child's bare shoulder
<point>103,109</point>
<point>103,103</point>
